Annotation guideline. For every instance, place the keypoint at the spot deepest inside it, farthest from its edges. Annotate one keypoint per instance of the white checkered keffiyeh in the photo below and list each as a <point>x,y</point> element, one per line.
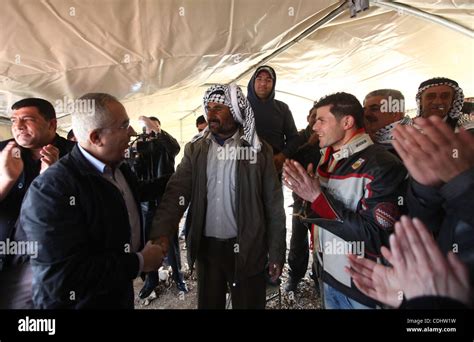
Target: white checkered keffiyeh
<point>385,134</point>
<point>458,100</point>
<point>231,96</point>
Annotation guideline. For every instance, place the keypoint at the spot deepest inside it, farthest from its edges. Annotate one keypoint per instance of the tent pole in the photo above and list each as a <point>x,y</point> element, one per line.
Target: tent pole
<point>326,19</point>
<point>402,8</point>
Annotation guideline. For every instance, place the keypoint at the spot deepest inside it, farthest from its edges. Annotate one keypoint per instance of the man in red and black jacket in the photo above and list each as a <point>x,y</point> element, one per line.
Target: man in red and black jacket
<point>354,197</point>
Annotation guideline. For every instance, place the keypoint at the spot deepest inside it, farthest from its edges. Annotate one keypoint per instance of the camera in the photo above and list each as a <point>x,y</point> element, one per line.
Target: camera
<point>142,155</point>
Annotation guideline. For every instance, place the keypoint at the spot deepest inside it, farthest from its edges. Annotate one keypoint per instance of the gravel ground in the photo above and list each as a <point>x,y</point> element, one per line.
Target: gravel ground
<point>167,296</point>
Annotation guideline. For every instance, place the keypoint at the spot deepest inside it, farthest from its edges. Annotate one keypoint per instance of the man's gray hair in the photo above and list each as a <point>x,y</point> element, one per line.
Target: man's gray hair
<point>395,94</point>
<point>90,113</point>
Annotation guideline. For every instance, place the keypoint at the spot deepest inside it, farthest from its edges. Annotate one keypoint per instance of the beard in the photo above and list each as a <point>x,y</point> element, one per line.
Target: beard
<point>217,127</point>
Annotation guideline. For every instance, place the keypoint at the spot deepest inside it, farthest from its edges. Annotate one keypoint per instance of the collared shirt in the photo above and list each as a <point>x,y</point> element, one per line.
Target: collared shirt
<point>115,176</point>
<point>221,175</point>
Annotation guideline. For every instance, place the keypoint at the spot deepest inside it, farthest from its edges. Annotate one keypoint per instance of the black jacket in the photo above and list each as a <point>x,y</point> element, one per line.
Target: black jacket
<point>305,154</point>
<point>81,224</point>
<point>168,148</point>
<point>447,212</point>
<point>156,156</point>
<point>11,204</point>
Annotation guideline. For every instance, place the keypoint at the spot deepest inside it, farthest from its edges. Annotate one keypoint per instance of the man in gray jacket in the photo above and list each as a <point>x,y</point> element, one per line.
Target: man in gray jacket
<point>238,221</point>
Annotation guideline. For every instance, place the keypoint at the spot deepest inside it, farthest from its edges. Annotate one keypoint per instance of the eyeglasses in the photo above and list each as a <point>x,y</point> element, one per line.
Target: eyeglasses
<point>125,126</point>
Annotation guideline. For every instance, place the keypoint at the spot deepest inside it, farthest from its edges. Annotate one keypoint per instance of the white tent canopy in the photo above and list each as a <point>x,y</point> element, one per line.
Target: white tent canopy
<point>159,56</point>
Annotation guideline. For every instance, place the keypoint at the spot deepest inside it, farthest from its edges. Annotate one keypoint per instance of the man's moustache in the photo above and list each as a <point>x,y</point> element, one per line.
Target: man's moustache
<point>371,119</point>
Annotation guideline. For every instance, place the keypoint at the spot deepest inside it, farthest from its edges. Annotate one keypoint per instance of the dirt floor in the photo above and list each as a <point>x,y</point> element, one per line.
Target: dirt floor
<point>167,296</point>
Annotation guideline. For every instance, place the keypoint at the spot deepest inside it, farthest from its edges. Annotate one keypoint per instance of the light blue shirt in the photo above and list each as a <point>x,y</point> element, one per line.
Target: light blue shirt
<point>221,176</point>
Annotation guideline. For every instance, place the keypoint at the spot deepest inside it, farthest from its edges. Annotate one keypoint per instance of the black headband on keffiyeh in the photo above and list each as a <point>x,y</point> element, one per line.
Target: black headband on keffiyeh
<point>458,100</point>
<point>231,96</point>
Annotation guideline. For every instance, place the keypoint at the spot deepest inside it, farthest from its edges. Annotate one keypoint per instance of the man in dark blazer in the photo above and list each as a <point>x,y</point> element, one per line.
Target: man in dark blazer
<point>84,213</point>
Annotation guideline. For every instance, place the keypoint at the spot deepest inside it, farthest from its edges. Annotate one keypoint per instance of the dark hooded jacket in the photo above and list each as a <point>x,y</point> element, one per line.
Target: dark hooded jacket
<point>273,119</point>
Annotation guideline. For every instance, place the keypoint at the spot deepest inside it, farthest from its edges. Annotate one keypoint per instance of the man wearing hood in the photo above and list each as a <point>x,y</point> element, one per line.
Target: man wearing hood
<point>273,118</point>
<point>442,97</point>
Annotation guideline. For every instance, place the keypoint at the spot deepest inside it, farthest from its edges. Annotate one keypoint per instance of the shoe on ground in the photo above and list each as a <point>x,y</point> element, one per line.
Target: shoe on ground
<point>151,282</point>
<point>291,285</point>
<point>145,292</point>
<point>182,287</point>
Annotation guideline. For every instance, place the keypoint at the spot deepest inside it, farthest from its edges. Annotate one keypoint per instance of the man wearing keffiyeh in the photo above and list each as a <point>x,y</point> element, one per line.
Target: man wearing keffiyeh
<point>384,109</point>
<point>231,97</point>
<point>237,227</point>
<point>442,97</point>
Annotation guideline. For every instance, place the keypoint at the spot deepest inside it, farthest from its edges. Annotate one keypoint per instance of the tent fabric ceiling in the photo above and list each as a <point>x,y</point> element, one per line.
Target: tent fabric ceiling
<point>159,56</point>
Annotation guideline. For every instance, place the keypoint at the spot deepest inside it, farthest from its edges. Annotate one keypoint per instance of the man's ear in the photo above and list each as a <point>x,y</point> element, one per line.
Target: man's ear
<point>95,137</point>
<point>53,124</point>
<point>348,122</point>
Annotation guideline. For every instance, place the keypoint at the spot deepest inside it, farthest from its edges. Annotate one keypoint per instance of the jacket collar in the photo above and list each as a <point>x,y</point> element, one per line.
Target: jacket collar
<point>83,165</point>
<point>207,137</point>
<point>358,142</point>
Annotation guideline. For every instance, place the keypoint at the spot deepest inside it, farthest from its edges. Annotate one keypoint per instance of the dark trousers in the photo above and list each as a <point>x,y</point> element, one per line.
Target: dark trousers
<point>299,247</point>
<point>174,260</point>
<point>216,272</point>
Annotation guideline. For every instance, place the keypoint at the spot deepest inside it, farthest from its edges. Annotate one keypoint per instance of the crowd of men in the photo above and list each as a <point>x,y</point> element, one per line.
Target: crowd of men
<point>359,174</point>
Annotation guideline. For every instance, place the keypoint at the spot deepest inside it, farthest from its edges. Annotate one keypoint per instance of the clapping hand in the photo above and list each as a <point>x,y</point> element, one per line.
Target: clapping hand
<point>302,182</point>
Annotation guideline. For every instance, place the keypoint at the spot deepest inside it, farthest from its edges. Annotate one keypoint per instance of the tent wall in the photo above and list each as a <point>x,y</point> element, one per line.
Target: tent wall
<point>159,56</point>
